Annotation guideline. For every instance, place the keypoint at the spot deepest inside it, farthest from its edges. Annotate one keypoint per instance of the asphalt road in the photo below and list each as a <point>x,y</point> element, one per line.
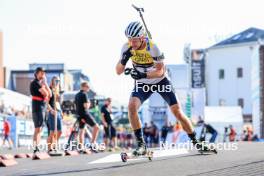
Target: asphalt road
<point>247,160</point>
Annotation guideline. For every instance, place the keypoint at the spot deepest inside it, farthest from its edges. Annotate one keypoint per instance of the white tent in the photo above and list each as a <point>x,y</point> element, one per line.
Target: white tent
<point>14,99</point>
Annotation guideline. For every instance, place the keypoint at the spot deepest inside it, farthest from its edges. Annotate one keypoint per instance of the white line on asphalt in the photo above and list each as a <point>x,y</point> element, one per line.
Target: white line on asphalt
<point>157,153</point>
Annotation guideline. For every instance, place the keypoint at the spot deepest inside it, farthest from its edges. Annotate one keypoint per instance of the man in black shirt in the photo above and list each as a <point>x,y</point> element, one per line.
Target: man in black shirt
<point>110,131</point>
<point>40,93</point>
<point>84,117</point>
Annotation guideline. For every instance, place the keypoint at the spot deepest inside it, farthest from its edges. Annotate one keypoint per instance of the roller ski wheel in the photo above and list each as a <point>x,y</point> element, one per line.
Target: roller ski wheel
<point>124,157</point>
<point>150,155</point>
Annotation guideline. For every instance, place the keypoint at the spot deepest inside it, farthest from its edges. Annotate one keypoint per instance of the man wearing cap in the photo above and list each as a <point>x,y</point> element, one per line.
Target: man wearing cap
<point>40,93</point>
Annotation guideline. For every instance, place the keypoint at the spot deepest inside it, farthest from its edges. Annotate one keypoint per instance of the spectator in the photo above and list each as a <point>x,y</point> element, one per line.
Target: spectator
<point>84,117</point>
<point>232,134</point>
<point>225,134</point>
<point>6,132</point>
<point>96,112</point>
<point>164,131</point>
<point>244,135</point>
<point>2,107</point>
<point>129,139</point>
<point>154,135</point>
<point>110,130</point>
<point>120,137</point>
<point>54,110</point>
<point>255,138</point>
<point>248,134</point>
<point>177,129</point>
<point>146,134</point>
<point>40,92</point>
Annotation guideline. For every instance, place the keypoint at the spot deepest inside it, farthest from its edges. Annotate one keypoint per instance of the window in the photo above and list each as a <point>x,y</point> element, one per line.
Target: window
<point>239,72</point>
<point>236,37</point>
<point>221,74</point>
<point>250,35</point>
<point>222,102</point>
<point>241,102</point>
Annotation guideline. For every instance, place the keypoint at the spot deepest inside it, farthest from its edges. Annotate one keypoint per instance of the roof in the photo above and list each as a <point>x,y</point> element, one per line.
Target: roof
<point>250,35</point>
<point>80,74</point>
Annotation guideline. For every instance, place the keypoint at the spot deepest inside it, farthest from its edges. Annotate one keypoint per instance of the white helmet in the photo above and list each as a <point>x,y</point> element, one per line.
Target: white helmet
<point>134,29</point>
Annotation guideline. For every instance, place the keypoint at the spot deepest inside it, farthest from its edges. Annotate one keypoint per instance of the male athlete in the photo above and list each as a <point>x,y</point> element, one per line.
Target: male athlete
<point>149,74</point>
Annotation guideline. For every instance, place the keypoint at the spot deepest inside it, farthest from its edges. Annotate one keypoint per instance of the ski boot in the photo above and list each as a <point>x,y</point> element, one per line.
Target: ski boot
<point>141,149</point>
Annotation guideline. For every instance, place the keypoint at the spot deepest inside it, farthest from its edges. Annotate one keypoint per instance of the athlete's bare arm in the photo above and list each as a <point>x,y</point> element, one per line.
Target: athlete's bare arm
<point>158,72</point>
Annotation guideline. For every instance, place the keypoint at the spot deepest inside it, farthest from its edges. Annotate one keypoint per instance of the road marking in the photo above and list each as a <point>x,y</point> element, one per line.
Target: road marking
<point>157,154</point>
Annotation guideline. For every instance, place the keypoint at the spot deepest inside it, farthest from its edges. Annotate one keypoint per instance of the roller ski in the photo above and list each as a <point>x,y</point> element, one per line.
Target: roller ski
<point>127,156</point>
<point>140,152</point>
<point>205,149</point>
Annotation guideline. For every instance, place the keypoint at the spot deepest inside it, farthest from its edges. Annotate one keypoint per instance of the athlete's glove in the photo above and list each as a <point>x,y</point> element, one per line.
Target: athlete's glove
<point>137,75</point>
<point>125,56</point>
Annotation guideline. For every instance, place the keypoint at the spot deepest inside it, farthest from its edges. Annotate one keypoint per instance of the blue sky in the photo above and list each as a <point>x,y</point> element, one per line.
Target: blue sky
<point>89,34</point>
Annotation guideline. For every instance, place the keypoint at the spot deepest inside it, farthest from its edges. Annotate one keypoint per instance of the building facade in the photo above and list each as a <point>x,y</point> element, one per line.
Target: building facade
<point>234,74</point>
<point>19,80</point>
